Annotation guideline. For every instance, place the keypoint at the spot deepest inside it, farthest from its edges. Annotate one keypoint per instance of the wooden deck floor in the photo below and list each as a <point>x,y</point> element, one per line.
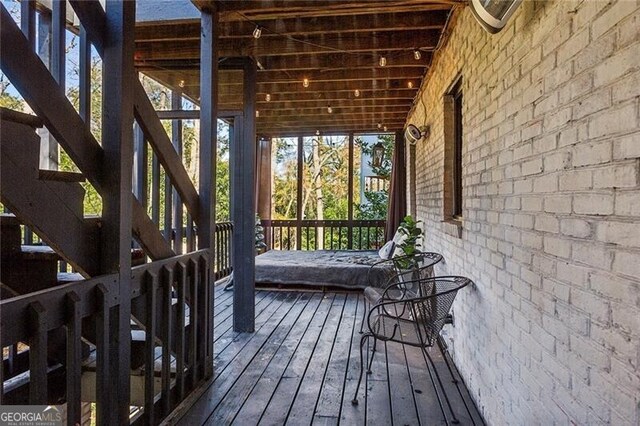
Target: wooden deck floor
<point>301,366</point>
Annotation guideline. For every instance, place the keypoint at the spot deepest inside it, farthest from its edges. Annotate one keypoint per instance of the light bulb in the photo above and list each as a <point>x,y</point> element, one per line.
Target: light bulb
<point>329,109</point>
<point>410,85</point>
<point>267,97</point>
<point>379,125</point>
<point>356,93</point>
<point>257,32</point>
<point>305,82</point>
<point>417,55</point>
<point>383,61</point>
<point>317,132</point>
<point>181,84</point>
<point>257,113</point>
<point>385,128</point>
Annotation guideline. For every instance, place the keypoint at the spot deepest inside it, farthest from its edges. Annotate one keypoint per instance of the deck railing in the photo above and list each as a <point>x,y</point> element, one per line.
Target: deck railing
<point>172,303</point>
<point>324,234</point>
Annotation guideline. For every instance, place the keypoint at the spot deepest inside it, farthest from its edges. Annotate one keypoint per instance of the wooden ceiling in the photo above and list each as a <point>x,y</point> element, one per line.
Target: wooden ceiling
<point>336,45</point>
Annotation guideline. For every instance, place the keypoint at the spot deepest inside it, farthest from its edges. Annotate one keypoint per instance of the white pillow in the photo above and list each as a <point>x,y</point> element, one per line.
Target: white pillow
<point>386,250</point>
<point>398,239</point>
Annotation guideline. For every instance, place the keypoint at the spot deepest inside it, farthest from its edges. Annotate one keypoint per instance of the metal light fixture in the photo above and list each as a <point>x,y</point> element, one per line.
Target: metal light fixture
<point>383,61</point>
<point>181,84</point>
<point>257,32</point>
<point>267,97</point>
<point>329,109</point>
<point>384,128</point>
<point>305,82</point>
<point>317,132</point>
<point>377,155</point>
<point>410,84</point>
<point>493,14</point>
<point>417,55</point>
<point>356,93</point>
<point>379,125</point>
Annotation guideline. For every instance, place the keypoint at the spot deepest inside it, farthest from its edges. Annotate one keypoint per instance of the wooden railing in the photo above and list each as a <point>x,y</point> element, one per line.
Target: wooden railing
<point>222,254</point>
<point>172,301</point>
<point>324,234</point>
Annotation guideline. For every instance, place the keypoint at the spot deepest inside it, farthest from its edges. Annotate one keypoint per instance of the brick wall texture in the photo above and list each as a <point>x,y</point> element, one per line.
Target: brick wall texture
<point>550,333</point>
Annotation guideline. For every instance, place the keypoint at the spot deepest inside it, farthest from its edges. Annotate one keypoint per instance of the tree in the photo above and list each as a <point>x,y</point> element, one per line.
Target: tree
<point>375,204</point>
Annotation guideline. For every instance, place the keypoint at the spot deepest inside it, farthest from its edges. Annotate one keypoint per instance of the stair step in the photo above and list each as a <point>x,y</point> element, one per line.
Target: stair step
<point>60,176</point>
<point>39,252</point>
<point>68,277</point>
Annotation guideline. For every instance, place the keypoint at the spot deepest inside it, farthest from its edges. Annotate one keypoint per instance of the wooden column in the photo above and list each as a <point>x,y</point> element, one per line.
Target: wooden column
<point>206,219</point>
<point>243,160</point>
<point>85,76</point>
<point>176,140</point>
<point>350,195</point>
<point>117,142</point>
<point>299,212</point>
<point>28,21</point>
<point>264,184</point>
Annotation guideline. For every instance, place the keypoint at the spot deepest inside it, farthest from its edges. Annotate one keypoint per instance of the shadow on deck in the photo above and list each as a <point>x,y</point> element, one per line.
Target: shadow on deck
<point>301,366</point>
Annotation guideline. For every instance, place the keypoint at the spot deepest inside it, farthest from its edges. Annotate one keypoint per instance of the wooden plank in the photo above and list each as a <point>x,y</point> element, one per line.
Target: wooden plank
<point>103,366</point>
<point>284,394</point>
<point>167,334</point>
<point>225,411</point>
<point>74,359</point>
<point>92,16</point>
<point>350,194</point>
<point>58,42</point>
<point>176,140</point>
<point>28,21</point>
<point>261,393</point>
<point>84,77</point>
<point>235,343</point>
<point>307,394</point>
<point>349,413</point>
<point>182,283</point>
<point>38,348</point>
<point>328,405</point>
<point>151,283</point>
<point>403,404</point>
<point>116,235</point>
<point>378,397</point>
<point>194,319</point>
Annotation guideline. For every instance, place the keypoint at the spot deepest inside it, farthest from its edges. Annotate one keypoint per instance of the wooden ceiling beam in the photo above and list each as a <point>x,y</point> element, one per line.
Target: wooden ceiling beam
<point>278,107</point>
<point>165,31</point>
<point>386,42</point>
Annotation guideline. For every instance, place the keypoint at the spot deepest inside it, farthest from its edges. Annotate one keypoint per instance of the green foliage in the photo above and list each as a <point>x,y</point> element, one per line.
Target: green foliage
<point>374,206</point>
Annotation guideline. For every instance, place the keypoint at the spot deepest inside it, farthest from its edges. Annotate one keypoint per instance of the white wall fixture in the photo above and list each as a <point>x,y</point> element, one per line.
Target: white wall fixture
<point>493,14</point>
<point>413,134</point>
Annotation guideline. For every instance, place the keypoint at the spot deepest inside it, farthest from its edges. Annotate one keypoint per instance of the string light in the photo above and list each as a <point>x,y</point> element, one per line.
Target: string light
<point>181,84</point>
<point>257,113</point>
<point>257,32</point>
<point>267,97</point>
<point>410,85</point>
<point>379,125</point>
<point>385,128</point>
<point>305,82</point>
<point>329,109</point>
<point>417,54</point>
<point>317,132</point>
<point>383,61</point>
<point>356,93</point>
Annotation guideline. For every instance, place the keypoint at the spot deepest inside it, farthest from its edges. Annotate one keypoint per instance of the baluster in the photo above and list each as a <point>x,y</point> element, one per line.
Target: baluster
<point>74,358</point>
<point>203,312</point>
<point>103,379</point>
<point>180,349</point>
<point>155,189</point>
<point>37,354</point>
<point>189,232</point>
<point>194,319</point>
<point>167,280</point>
<point>151,284</point>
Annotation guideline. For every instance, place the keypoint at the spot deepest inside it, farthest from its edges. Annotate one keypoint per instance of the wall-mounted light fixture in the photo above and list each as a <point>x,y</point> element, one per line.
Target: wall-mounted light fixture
<point>377,155</point>
<point>493,14</point>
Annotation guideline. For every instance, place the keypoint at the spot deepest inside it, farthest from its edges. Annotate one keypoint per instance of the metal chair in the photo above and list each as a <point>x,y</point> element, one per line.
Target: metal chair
<point>398,269</point>
<point>413,313</point>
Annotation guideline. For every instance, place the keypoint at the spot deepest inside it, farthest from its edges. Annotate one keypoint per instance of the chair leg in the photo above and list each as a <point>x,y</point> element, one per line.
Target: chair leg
<point>446,361</point>
<point>454,419</point>
<point>364,338</point>
<point>373,354</point>
<point>364,315</point>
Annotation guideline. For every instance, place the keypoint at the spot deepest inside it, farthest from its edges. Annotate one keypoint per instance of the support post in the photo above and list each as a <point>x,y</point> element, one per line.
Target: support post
<point>117,142</point>
<point>206,219</point>
<point>350,195</point>
<point>299,212</point>
<point>264,184</point>
<point>176,139</point>
<point>243,150</point>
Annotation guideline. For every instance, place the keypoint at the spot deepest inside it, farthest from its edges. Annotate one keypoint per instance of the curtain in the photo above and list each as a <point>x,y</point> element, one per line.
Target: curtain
<point>397,208</point>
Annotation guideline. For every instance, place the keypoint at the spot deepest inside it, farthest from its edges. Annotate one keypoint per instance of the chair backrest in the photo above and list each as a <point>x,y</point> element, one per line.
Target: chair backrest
<point>415,267</point>
<point>430,310</point>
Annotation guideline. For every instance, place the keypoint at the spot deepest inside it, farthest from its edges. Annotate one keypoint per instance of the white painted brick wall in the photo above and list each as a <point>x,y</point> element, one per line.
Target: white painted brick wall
<point>550,333</point>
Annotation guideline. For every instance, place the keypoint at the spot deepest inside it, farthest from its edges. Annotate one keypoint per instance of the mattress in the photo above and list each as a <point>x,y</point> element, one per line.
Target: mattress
<point>339,268</point>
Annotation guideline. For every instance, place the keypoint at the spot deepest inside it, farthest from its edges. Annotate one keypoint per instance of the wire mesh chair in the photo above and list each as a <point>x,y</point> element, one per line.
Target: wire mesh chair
<point>404,269</point>
<point>414,318</point>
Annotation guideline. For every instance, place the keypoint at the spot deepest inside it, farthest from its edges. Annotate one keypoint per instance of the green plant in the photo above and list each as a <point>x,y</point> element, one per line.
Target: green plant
<point>412,241</point>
